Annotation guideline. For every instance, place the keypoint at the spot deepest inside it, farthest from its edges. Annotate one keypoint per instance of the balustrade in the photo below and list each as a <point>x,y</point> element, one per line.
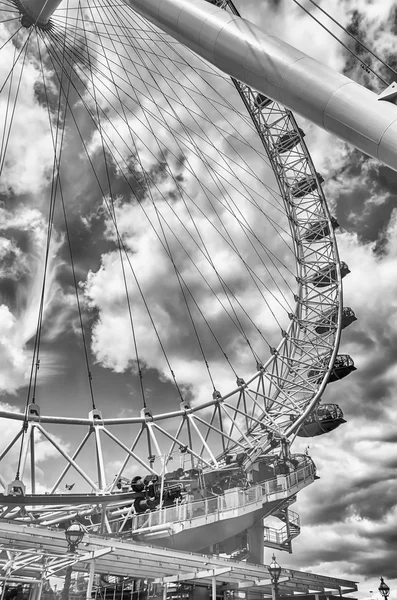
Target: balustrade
<point>231,500</point>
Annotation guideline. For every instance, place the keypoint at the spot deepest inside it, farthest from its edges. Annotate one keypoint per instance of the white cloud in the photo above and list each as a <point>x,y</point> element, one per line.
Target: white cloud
<point>29,151</point>
<point>13,263</point>
<point>357,453</point>
<point>19,322</point>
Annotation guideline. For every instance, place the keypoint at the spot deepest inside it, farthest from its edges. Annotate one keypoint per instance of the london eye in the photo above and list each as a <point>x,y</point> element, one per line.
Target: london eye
<point>179,239</point>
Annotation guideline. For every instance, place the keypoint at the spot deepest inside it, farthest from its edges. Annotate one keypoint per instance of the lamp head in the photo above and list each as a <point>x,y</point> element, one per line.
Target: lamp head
<point>74,534</point>
<point>274,570</point>
<point>384,588</point>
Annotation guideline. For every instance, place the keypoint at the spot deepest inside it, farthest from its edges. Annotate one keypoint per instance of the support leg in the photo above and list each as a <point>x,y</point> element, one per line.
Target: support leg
<point>39,590</point>
<point>213,596</point>
<point>90,580</point>
<point>255,543</point>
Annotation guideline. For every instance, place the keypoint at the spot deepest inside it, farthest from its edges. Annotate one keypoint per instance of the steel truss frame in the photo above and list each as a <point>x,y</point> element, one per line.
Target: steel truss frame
<point>33,554</point>
<point>114,515</point>
<point>260,411</point>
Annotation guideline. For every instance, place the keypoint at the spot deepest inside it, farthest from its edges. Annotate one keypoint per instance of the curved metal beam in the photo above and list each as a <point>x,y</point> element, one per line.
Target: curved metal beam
<point>287,75</point>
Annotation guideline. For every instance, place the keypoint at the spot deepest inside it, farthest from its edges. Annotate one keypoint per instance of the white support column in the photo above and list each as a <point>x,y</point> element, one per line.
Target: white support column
<point>281,72</point>
<point>25,450</point>
<point>91,579</point>
<point>213,586</point>
<point>32,462</point>
<point>3,589</point>
<point>99,456</point>
<point>39,590</point>
<point>36,590</point>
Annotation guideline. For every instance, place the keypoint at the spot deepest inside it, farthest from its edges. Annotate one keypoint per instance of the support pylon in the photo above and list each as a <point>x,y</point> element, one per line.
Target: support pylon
<point>283,73</point>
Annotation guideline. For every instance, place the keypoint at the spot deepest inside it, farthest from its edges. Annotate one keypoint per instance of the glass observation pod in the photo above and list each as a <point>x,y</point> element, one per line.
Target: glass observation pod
<point>267,468</point>
<point>325,418</point>
<point>327,275</point>
<point>192,483</point>
<point>148,490</point>
<point>261,101</point>
<point>330,319</point>
<point>317,231</point>
<point>306,185</point>
<point>343,366</point>
<point>288,141</point>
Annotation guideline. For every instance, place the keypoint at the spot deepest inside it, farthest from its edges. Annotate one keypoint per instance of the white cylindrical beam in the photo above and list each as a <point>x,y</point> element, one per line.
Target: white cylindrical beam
<point>37,12</point>
<point>281,72</point>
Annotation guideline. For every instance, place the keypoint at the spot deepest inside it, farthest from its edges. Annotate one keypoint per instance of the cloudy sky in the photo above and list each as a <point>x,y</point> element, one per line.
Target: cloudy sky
<point>349,516</point>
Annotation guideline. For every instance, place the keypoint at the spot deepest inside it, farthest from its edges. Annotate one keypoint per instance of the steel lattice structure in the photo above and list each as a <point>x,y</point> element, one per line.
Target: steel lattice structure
<point>260,416</point>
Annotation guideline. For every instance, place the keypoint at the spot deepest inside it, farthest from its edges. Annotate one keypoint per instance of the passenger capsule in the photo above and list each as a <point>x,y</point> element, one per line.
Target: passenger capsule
<point>343,366</point>
<point>330,319</point>
<point>305,185</point>
<point>137,484</point>
<point>288,141</point>
<point>143,504</point>
<point>319,230</point>
<point>328,275</point>
<point>325,418</point>
<point>261,101</point>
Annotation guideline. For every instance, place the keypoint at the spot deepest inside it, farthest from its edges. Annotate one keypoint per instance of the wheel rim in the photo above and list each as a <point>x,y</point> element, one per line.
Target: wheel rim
<point>273,402</point>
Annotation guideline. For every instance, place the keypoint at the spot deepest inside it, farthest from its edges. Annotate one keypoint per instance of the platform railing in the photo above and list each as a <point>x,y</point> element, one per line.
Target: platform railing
<point>283,534</point>
<point>231,499</point>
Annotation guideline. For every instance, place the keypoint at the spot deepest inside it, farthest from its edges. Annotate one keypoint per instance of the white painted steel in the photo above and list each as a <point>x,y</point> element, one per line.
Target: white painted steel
<point>271,123</point>
<point>90,579</point>
<point>134,560</point>
<point>39,11</point>
<point>285,74</point>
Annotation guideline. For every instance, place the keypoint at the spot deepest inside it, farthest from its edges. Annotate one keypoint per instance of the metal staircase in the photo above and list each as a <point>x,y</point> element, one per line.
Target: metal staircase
<point>240,554</point>
<point>281,538</point>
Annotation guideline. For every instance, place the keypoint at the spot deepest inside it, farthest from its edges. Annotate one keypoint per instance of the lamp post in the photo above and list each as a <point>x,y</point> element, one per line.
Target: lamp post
<point>274,570</point>
<point>384,589</point>
<point>74,534</point>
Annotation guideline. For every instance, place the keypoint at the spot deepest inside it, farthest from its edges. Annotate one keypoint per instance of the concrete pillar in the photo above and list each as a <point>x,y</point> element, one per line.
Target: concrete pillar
<point>255,543</point>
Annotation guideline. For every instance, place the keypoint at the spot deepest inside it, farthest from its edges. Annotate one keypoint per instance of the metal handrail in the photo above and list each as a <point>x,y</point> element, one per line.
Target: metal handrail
<point>231,499</point>
<point>283,534</point>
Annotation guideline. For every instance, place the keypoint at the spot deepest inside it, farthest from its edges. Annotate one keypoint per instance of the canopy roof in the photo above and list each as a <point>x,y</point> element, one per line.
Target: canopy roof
<point>29,553</point>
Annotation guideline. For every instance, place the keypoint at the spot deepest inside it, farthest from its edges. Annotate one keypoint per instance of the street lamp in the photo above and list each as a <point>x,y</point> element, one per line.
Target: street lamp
<point>384,589</point>
<point>74,534</point>
<point>275,571</point>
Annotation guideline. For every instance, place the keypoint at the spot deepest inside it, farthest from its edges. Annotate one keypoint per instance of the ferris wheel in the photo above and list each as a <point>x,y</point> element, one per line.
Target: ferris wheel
<point>215,293</point>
